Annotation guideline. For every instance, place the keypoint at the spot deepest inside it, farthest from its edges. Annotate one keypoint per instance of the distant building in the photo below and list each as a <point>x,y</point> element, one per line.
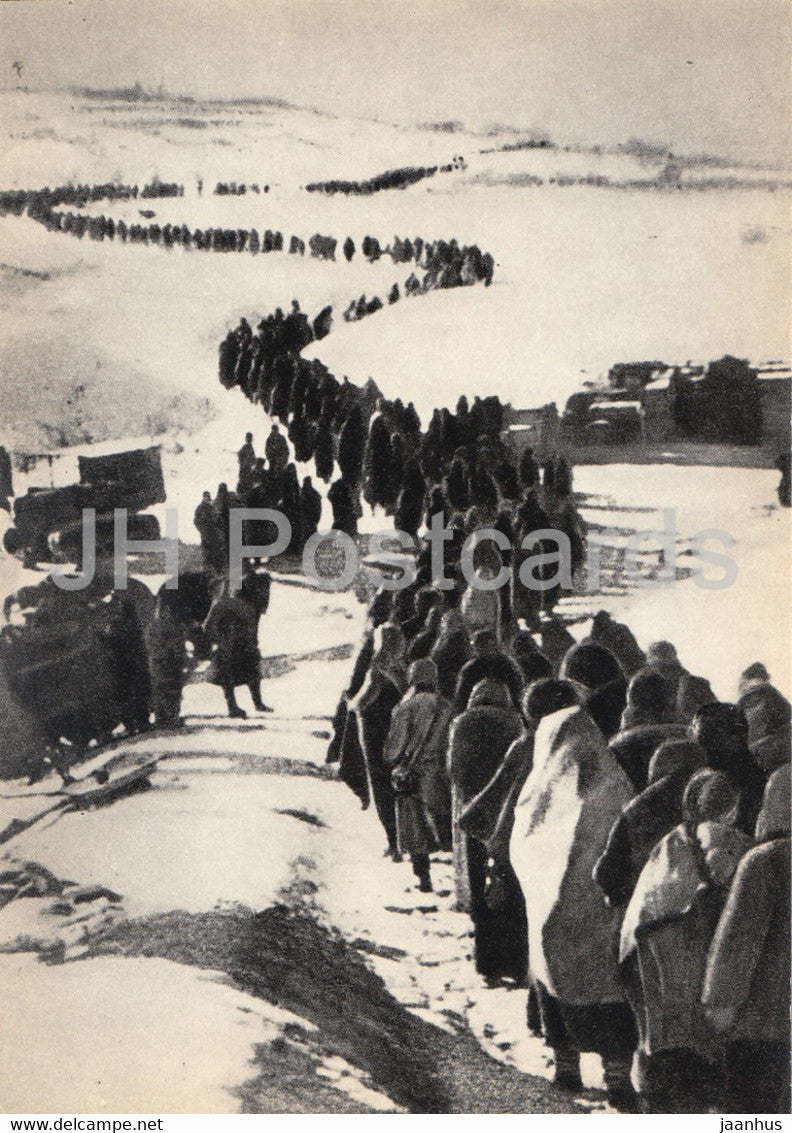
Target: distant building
<point>633,376</point>
<point>722,407</point>
<point>650,404</point>
<point>775,386</point>
<point>533,428</point>
<point>612,421</point>
<point>657,401</point>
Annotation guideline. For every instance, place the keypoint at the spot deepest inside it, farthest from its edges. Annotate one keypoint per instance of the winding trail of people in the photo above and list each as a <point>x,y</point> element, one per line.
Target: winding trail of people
<point>585,821</point>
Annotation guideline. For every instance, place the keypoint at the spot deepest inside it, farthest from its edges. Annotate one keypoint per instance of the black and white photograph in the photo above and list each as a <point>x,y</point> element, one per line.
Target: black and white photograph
<point>395,560</point>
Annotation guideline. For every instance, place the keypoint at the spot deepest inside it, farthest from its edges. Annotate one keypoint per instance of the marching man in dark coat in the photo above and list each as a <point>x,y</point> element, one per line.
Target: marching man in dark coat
<point>209,529</point>
<point>415,750</point>
<point>277,451</point>
<point>768,714</point>
<point>310,509</point>
<point>665,939</point>
<point>342,501</point>
<point>167,656</point>
<point>746,989</point>
<point>231,629</point>
<point>620,639</point>
<point>362,765</point>
<point>480,738</point>
<point>6,479</point>
<point>247,464</point>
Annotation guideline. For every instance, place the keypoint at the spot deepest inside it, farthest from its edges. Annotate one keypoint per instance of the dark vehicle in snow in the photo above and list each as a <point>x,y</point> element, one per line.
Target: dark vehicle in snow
<point>48,521</point>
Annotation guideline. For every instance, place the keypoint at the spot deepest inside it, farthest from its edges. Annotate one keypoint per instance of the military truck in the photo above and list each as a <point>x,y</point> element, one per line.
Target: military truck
<point>48,521</point>
<point>73,666</point>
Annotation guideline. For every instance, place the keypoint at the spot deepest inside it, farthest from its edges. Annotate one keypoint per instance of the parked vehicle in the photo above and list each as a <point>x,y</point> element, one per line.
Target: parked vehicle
<point>48,521</point>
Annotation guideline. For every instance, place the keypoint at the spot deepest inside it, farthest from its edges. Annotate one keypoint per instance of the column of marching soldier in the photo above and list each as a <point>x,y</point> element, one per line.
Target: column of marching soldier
<point>620,838</point>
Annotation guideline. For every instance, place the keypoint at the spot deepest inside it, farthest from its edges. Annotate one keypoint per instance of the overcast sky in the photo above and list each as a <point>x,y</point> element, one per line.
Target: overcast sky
<point>703,75</point>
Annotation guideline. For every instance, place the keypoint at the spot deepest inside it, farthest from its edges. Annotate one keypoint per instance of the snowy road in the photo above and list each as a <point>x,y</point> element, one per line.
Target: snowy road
<point>242,944</point>
<point>245,966</point>
<point>245,945</point>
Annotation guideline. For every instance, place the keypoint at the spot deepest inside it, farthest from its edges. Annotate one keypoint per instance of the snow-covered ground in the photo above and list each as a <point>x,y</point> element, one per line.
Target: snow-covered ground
<point>230,829</point>
<point>127,1036</point>
<point>212,841</point>
<point>584,277</point>
<point>718,633</point>
<point>147,1000</point>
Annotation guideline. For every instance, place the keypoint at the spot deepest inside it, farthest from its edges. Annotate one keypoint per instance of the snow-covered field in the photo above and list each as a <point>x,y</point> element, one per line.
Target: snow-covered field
<point>717,632</point>
<point>151,1011</point>
<point>585,276</point>
<point>214,841</point>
